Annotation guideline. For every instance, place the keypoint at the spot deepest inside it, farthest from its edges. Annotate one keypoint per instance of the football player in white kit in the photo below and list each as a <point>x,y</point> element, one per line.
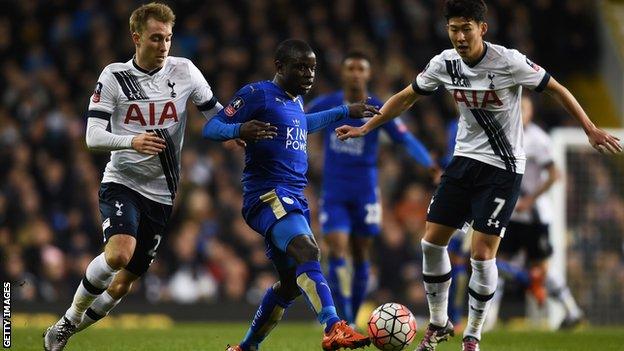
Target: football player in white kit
<point>482,182</point>
<point>144,100</point>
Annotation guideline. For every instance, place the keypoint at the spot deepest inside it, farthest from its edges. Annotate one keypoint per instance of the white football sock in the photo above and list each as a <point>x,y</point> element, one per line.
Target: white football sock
<point>97,278</point>
<point>492,316</point>
<point>437,281</point>
<point>98,310</point>
<point>481,290</point>
<point>558,289</point>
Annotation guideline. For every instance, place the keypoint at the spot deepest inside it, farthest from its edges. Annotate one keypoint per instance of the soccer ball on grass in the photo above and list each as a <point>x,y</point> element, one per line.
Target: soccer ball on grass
<point>392,327</point>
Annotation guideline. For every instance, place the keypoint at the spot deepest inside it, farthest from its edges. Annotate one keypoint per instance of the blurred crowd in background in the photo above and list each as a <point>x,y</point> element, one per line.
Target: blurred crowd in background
<point>51,53</point>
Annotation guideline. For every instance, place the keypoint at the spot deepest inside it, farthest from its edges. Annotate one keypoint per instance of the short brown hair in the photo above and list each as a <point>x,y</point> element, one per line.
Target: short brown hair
<point>155,10</point>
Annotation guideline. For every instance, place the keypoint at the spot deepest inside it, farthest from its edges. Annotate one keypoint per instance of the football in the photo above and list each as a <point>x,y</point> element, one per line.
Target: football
<point>392,327</point>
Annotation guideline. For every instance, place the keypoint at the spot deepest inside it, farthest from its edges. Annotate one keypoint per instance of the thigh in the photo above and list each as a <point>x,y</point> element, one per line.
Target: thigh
<point>493,199</point>
<point>263,209</point>
<point>119,209</point>
<point>152,229</point>
<point>281,234</point>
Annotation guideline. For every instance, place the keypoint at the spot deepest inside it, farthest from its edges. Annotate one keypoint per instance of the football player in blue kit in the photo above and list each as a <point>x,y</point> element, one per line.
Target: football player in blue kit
<point>350,212</point>
<point>273,183</point>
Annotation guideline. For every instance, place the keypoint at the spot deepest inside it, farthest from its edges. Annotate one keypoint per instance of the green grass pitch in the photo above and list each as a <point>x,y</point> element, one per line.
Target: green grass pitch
<point>302,337</point>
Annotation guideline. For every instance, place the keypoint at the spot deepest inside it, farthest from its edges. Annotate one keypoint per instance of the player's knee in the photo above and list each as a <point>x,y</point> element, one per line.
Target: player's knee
<point>117,290</point>
<point>483,254</point>
<point>118,259</point>
<point>337,244</point>
<point>304,249</point>
<point>310,253</point>
<point>119,250</point>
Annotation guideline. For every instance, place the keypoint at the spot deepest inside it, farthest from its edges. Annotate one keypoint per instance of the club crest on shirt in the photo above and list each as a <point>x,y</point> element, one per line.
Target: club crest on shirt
<point>491,77</point>
<point>234,106</point>
<point>97,92</point>
<point>533,65</point>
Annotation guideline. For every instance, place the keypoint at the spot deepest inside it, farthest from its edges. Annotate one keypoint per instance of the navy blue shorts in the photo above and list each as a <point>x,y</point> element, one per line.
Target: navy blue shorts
<point>125,211</point>
<point>532,237</point>
<point>471,190</point>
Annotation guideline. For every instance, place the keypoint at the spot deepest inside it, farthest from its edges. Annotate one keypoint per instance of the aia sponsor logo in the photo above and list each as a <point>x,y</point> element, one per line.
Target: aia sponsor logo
<point>135,114</point>
<point>97,92</point>
<point>236,104</point>
<point>477,99</point>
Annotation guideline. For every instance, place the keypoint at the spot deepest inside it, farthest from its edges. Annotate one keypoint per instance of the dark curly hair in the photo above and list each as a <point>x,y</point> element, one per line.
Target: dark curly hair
<point>290,48</point>
<point>468,9</point>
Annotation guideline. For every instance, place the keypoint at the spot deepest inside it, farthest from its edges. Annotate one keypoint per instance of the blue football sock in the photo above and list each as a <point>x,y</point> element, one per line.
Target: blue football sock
<point>517,273</point>
<point>339,281</point>
<point>267,316</point>
<point>361,273</point>
<point>316,291</point>
<point>457,292</point>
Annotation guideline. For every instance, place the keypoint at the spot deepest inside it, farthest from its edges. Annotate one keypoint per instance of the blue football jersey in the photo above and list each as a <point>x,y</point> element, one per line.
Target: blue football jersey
<point>281,161</point>
<point>357,158</point>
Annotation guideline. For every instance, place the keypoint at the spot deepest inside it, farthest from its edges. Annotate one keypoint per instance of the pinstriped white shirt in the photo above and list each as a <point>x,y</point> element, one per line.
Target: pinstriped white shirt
<point>136,101</point>
<point>488,97</point>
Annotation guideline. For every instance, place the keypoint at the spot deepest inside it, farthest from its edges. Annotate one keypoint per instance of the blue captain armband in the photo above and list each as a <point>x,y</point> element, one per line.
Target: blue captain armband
<point>216,129</point>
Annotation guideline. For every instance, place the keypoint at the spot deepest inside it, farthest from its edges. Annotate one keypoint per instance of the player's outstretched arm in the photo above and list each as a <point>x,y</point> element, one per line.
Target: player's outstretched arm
<point>598,138</point>
<point>396,105</point>
<point>319,120</point>
<point>218,129</point>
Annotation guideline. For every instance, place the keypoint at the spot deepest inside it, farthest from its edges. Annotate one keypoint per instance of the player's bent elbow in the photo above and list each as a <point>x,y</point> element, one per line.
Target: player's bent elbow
<point>91,145</point>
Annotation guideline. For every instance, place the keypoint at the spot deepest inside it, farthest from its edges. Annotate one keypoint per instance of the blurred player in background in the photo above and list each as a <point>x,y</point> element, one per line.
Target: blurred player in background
<point>273,182</point>
<point>350,212</point>
<point>144,101</point>
<point>482,182</point>
<point>528,227</point>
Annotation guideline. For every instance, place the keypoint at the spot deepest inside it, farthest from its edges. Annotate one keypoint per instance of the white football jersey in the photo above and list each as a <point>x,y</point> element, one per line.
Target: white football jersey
<point>537,145</point>
<point>488,96</point>
<point>136,101</point>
